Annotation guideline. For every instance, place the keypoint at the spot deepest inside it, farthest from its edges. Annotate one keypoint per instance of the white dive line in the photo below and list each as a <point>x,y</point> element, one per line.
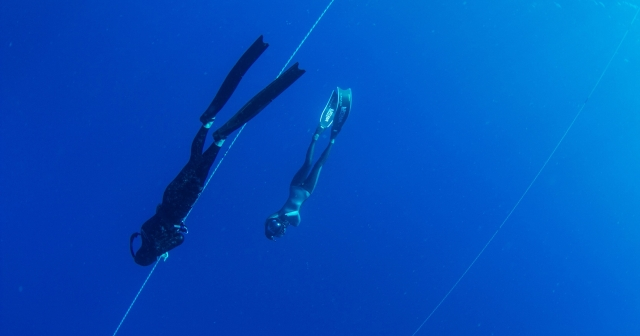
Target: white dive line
<point>532,181</point>
<point>164,256</point>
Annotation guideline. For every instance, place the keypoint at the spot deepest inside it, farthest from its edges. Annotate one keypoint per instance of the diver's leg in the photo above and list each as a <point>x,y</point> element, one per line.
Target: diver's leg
<point>207,160</point>
<point>180,183</point>
<point>182,193</point>
<point>198,142</point>
<point>258,103</point>
<point>233,79</point>
<point>311,181</point>
<point>301,175</point>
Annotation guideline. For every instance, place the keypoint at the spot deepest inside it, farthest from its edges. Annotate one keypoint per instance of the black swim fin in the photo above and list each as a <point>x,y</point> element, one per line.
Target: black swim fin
<point>233,79</point>
<point>259,102</point>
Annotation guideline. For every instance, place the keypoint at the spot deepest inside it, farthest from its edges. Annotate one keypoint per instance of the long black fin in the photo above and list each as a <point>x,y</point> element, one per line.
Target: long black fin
<point>233,79</point>
<point>260,101</point>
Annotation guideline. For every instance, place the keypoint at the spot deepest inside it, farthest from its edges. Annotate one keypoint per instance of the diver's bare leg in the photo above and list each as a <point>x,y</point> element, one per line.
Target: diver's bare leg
<point>311,181</point>
<point>301,175</point>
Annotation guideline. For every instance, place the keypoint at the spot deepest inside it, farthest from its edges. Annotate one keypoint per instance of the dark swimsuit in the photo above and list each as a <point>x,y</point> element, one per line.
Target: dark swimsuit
<point>305,180</point>
<point>302,186</point>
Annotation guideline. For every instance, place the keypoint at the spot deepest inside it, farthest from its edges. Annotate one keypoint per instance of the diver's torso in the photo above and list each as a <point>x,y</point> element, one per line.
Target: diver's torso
<point>297,196</point>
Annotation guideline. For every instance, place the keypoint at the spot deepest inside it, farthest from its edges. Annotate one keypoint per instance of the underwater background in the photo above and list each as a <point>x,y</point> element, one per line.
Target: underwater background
<point>457,105</point>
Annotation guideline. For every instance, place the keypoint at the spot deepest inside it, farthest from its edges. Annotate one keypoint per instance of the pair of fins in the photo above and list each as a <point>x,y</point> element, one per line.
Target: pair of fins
<point>260,100</point>
<point>336,111</point>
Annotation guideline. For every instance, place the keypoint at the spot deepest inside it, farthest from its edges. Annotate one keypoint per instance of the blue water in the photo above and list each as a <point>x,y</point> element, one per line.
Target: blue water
<point>457,105</point>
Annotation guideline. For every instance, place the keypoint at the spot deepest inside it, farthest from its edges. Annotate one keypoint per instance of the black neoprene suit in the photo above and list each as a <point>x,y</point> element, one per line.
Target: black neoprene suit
<point>161,232</point>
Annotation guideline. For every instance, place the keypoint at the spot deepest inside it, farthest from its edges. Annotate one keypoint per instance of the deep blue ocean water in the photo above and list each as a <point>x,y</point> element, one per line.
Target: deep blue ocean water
<point>457,105</point>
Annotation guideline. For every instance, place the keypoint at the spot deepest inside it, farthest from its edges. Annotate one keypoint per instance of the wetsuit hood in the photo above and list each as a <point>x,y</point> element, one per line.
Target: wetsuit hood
<point>158,238</point>
<point>146,254</point>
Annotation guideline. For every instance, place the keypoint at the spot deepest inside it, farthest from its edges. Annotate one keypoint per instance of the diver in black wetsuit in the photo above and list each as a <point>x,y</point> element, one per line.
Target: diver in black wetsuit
<point>303,183</point>
<point>165,230</point>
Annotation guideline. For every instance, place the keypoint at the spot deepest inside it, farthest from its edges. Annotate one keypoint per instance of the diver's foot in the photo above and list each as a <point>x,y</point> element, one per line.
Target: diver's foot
<point>218,139</point>
<point>208,124</point>
<point>318,131</point>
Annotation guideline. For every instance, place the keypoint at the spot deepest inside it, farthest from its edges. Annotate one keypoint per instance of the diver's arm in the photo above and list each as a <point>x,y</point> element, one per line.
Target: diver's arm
<point>290,218</point>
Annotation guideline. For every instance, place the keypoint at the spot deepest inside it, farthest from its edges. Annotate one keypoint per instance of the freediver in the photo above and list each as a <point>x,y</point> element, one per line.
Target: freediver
<point>304,181</point>
<point>165,230</point>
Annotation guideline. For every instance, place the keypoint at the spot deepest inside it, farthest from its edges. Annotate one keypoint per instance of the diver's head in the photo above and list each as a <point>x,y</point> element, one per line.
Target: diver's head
<point>274,227</point>
<point>157,239</point>
<point>146,254</point>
